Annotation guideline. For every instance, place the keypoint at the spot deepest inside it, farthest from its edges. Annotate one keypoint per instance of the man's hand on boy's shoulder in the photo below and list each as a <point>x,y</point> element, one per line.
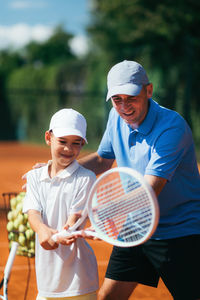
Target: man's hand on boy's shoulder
<point>36,166</point>
<point>39,165</point>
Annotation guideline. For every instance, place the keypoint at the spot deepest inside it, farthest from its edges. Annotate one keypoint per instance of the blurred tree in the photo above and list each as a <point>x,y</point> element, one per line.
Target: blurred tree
<point>162,35</point>
<point>9,61</point>
<point>54,50</point>
<point>42,85</point>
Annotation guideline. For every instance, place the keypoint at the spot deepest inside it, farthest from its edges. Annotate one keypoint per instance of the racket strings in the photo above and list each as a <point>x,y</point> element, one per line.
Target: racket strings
<point>116,204</point>
<point>123,210</point>
<point>131,231</point>
<point>138,225</point>
<point>110,191</point>
<point>124,206</point>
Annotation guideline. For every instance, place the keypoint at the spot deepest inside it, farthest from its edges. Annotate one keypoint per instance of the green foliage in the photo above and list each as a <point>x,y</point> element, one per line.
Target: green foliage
<point>55,49</point>
<point>36,93</point>
<point>32,99</point>
<point>161,35</point>
<point>9,61</point>
<point>50,78</point>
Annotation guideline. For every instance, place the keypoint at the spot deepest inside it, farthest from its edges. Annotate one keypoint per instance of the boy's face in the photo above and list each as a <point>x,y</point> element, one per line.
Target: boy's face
<point>64,150</point>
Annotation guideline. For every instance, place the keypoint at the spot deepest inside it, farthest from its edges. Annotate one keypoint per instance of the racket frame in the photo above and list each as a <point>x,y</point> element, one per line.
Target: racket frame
<point>7,270</point>
<point>151,195</point>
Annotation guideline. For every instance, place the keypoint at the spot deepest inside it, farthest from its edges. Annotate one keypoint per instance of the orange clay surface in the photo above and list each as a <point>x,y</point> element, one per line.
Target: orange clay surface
<point>15,160</point>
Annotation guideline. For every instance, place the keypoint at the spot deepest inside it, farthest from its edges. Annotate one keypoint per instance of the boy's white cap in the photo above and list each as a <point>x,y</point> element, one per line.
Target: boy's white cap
<point>68,121</point>
<point>126,77</point>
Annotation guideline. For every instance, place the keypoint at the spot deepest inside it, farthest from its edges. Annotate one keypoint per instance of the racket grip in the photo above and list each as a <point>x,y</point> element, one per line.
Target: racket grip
<point>91,233</point>
<point>10,260</point>
<point>62,233</point>
<point>65,233</point>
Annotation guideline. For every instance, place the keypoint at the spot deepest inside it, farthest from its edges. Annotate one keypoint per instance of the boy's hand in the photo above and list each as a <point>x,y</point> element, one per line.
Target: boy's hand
<point>44,236</point>
<point>67,241</point>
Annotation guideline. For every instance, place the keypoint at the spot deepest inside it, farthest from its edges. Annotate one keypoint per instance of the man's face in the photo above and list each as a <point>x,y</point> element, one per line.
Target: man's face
<point>133,109</point>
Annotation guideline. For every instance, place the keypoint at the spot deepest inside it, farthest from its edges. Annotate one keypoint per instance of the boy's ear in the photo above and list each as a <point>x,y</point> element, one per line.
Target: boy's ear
<point>48,137</point>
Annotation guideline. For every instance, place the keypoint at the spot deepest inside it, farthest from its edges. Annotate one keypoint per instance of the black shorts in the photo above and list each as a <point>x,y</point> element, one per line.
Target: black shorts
<point>176,261</point>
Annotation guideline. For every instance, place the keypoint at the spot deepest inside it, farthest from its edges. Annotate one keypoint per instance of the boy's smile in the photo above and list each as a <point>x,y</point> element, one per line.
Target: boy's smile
<point>64,150</point>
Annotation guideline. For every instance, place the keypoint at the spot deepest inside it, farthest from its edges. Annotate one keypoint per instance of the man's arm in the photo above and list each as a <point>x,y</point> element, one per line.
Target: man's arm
<point>44,232</point>
<point>96,163</point>
<point>157,183</point>
<point>99,165</point>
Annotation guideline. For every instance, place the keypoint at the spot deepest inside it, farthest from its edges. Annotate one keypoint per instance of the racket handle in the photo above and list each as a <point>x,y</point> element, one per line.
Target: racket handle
<point>91,233</point>
<point>66,233</point>
<point>10,260</point>
<point>62,233</point>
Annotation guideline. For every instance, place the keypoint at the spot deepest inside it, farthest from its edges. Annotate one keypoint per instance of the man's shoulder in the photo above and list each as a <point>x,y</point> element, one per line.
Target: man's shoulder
<point>167,116</point>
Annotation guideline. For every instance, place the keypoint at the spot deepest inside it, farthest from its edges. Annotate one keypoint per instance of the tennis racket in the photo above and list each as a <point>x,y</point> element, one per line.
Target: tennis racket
<point>122,209</point>
<point>7,270</point>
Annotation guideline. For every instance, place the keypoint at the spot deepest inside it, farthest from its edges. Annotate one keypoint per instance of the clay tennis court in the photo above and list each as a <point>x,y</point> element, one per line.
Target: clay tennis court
<point>15,160</point>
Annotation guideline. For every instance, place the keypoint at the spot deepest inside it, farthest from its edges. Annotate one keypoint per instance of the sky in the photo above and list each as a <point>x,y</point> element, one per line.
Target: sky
<point>24,20</point>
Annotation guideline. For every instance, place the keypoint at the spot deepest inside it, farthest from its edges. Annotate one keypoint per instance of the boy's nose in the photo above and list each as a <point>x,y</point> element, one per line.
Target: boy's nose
<point>68,148</point>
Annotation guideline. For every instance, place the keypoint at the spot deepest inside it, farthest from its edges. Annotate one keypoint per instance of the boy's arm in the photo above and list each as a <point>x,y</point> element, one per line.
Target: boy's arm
<point>44,232</point>
<point>70,222</point>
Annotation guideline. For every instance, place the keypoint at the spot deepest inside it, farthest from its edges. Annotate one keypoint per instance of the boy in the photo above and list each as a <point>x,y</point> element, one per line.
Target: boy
<point>56,193</point>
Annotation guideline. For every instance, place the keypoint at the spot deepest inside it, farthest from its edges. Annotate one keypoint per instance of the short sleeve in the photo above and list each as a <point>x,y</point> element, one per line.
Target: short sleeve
<point>31,199</point>
<point>105,149</point>
<point>84,185</point>
<point>168,151</point>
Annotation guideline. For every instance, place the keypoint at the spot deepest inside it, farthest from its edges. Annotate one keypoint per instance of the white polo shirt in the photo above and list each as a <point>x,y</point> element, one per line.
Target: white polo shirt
<point>68,270</point>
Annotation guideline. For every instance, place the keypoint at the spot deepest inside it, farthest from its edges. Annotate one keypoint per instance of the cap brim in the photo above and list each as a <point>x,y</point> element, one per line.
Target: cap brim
<point>60,132</point>
<point>126,89</point>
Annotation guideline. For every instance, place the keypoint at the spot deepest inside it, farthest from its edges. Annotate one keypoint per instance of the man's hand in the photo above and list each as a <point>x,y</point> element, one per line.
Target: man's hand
<point>87,235</point>
<point>36,166</point>
<point>39,165</point>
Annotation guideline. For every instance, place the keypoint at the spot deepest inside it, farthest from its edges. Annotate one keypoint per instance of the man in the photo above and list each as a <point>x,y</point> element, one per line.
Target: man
<point>156,142</point>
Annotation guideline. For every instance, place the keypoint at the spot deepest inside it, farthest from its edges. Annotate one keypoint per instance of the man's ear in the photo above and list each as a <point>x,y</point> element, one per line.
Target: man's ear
<point>82,142</point>
<point>48,137</point>
<point>149,89</point>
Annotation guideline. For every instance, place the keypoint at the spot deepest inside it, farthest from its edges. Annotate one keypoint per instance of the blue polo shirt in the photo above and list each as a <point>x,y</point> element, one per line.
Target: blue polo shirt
<point>162,146</point>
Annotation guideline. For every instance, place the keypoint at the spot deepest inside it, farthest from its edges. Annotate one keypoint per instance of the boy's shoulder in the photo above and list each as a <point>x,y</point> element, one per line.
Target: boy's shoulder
<point>36,173</point>
<point>82,171</point>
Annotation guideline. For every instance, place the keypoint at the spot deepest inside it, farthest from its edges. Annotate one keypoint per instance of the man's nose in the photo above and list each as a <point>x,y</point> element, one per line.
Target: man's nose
<point>125,105</point>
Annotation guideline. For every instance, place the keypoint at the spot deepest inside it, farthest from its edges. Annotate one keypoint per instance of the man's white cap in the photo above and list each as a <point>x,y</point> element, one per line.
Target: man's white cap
<point>68,121</point>
<point>126,77</point>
